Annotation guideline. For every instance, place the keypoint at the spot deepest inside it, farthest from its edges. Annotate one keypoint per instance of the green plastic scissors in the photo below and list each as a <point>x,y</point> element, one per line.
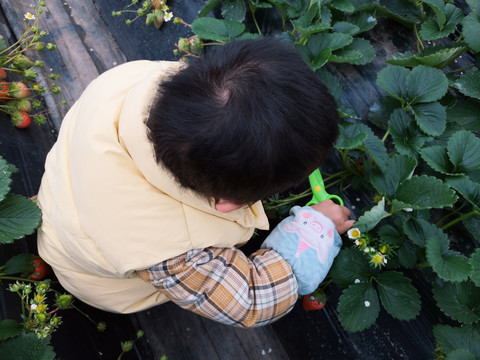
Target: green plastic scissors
<point>318,189</point>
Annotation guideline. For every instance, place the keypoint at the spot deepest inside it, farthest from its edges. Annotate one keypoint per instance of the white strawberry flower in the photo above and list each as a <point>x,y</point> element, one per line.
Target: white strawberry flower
<point>168,16</point>
<point>353,233</point>
<point>29,16</point>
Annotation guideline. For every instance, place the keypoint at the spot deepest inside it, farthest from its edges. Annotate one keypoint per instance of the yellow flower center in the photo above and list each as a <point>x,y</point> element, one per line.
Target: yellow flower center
<point>377,259</point>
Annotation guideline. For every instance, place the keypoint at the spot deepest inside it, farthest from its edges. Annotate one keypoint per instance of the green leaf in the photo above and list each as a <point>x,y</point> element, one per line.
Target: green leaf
<point>451,338</point>
<point>346,111</point>
<point>408,59</point>
<point>460,354</point>
<point>372,217</point>
<point>472,224</point>
<point>234,10</point>
<point>469,84</point>
<point>419,231</point>
<point>438,6</point>
<point>424,192</point>
<point>343,6</point>
<point>449,265</point>
<point>393,80</point>
<point>474,5</point>
<point>440,56</point>
<point>471,29</point>
<point>398,296</point>
<point>376,148</point>
<point>3,44</point>
<point>5,178</point>
<point>350,265</point>
<point>9,328</point>
<point>380,112</point>
<point>359,52</point>
<point>464,151</point>
<point>466,114</point>
<point>216,29</point>
<point>406,136</point>
<point>331,82</point>
<point>345,27</point>
<point>209,6</point>
<point>19,216</point>
<point>350,136</point>
<point>332,41</point>
<point>364,21</point>
<point>407,255</point>
<point>358,307</point>
<point>467,188</point>
<point>18,264</point>
<point>431,118</point>
<point>390,235</point>
<point>431,30</point>
<point>426,84</point>
<point>400,167</point>
<point>458,300</point>
<point>27,347</point>
<point>475,262</point>
<point>437,157</point>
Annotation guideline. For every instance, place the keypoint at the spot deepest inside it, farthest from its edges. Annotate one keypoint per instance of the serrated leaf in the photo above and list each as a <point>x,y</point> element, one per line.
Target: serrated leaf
<point>450,338</point>
<point>440,56</point>
<point>350,265</point>
<point>9,328</point>
<point>358,307</point>
<point>27,347</point>
<point>217,29</point>
<point>437,158</point>
<point>460,354</point>
<point>431,30</point>
<point>426,84</point>
<point>408,59</point>
<point>467,188</point>
<point>343,6</point>
<point>425,192</point>
<point>331,82</point>
<point>234,10</point>
<point>438,6</point>
<point>419,231</point>
<point>464,151</point>
<point>469,84</point>
<point>363,20</point>
<point>398,296</point>
<point>18,264</point>
<point>346,111</point>
<point>209,6</point>
<point>350,53</point>
<point>472,224</point>
<point>350,136</point>
<point>458,300</point>
<point>474,5</point>
<point>471,29</point>
<point>376,148</point>
<point>466,114</point>
<point>407,255</point>
<point>19,216</point>
<point>345,27</point>
<point>5,178</point>
<point>475,262</point>
<point>390,235</point>
<point>380,112</point>
<point>400,167</point>
<point>449,265</point>
<point>332,41</point>
<point>431,118</point>
<point>393,80</point>
<point>406,136</point>
<point>372,217</point>
<point>312,29</point>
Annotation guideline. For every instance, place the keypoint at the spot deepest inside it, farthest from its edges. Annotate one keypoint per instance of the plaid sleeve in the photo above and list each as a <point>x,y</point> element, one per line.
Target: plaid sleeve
<point>224,285</point>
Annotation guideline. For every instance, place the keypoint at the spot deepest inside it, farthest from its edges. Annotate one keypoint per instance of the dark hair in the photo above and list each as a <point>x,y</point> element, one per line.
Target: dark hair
<point>243,122</point>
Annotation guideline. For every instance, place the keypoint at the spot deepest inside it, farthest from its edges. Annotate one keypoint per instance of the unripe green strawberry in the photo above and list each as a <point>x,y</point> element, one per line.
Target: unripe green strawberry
<point>24,105</point>
<point>21,119</point>
<point>19,90</point>
<point>3,74</point>
<point>184,45</point>
<point>21,62</point>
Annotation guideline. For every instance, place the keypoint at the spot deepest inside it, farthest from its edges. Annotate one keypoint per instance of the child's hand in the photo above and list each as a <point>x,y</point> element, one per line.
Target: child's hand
<point>337,213</point>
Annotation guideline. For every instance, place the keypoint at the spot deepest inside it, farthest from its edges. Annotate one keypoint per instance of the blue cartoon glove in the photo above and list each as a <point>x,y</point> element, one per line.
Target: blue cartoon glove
<point>309,242</point>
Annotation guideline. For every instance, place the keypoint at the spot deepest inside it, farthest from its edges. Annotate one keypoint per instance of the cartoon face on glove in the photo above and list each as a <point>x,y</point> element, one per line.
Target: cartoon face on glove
<point>311,233</point>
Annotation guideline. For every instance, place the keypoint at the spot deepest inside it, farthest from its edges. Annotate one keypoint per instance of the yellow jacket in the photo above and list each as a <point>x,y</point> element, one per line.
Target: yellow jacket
<point>109,209</point>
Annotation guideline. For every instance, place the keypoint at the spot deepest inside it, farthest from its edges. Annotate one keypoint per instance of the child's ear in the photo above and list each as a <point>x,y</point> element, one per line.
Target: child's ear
<point>226,206</point>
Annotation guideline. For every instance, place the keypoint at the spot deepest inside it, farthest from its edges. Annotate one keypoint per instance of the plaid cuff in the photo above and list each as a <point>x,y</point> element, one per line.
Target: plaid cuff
<point>224,285</point>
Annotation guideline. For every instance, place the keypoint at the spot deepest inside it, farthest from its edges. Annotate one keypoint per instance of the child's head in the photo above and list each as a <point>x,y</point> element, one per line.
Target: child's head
<point>245,121</point>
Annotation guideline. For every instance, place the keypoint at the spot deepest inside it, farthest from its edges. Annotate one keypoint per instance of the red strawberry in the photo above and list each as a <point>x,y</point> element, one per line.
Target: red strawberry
<point>21,119</point>
<point>4,88</point>
<point>3,74</point>
<point>314,301</point>
<point>19,90</point>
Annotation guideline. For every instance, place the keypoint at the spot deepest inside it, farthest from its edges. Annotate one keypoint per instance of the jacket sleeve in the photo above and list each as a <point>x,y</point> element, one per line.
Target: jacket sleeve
<point>224,285</point>
<point>309,242</point>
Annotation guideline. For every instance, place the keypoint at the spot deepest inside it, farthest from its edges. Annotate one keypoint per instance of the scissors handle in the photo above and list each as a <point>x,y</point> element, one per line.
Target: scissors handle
<point>318,189</point>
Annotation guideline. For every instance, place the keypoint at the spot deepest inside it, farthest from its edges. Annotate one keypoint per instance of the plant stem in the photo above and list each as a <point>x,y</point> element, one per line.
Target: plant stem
<point>419,40</point>
<point>253,9</point>
<point>462,69</point>
<point>385,136</point>
<point>460,218</point>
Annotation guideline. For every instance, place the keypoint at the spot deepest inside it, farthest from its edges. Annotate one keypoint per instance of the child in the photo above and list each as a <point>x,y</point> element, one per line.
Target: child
<point>157,175</point>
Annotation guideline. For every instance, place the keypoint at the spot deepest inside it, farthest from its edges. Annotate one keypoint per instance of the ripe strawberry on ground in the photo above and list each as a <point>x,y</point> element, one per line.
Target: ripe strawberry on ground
<point>21,119</point>
<point>314,301</point>
<point>3,74</point>
<point>19,90</point>
<point>4,90</point>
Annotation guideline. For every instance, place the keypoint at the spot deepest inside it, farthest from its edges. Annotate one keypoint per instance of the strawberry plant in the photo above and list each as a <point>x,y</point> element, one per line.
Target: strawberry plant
<point>19,74</point>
